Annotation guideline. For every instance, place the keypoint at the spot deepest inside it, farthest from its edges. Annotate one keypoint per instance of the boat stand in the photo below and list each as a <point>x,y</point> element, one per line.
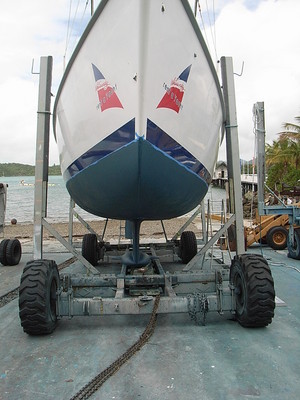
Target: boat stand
<point>105,281</point>
<point>293,211</point>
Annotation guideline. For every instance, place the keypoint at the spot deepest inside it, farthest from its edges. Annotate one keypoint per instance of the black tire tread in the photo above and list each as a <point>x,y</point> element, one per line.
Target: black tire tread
<point>294,252</point>
<point>260,293</point>
<point>89,248</point>
<point>34,297</point>
<point>13,252</point>
<point>188,246</point>
<point>3,246</point>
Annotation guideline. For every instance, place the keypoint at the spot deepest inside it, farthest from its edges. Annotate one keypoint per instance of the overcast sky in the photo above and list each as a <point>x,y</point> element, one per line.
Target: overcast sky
<point>264,34</point>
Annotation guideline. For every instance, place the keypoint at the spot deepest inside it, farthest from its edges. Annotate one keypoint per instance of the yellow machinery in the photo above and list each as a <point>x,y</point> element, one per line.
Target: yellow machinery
<point>272,229</point>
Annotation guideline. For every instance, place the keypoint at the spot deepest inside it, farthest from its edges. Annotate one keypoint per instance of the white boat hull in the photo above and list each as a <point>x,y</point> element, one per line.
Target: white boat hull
<point>139,111</point>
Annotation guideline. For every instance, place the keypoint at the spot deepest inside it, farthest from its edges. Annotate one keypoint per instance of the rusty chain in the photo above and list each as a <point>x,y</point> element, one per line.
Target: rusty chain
<point>92,386</point>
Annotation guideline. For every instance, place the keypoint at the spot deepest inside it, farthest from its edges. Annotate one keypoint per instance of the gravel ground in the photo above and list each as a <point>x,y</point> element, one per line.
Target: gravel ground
<point>149,229</point>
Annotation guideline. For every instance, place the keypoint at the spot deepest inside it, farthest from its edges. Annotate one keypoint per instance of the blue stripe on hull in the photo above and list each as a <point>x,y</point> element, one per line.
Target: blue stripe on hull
<point>137,182</point>
<point>124,136</point>
<point>113,142</point>
<point>166,143</point>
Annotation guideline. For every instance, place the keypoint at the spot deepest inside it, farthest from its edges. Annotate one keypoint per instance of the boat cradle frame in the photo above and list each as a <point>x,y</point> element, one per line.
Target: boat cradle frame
<point>124,289</point>
<point>206,287</point>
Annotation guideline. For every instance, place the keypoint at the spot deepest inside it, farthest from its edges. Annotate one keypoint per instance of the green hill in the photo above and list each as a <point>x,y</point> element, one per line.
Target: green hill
<point>15,169</point>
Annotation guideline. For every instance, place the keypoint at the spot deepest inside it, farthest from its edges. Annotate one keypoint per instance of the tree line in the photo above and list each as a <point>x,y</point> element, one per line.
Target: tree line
<point>283,158</point>
<point>16,169</point>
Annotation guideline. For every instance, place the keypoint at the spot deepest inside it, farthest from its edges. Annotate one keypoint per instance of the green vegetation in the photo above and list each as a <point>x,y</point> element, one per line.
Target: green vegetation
<point>283,158</point>
<point>15,169</point>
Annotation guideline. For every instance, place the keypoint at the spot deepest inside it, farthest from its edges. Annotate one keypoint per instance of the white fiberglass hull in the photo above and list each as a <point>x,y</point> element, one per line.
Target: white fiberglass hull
<point>139,111</point>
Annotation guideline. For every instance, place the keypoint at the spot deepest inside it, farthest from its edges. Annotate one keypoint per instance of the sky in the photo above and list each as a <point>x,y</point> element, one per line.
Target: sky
<point>262,35</point>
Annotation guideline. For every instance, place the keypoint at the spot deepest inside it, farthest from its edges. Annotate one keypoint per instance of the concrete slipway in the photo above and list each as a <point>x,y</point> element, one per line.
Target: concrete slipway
<point>221,360</point>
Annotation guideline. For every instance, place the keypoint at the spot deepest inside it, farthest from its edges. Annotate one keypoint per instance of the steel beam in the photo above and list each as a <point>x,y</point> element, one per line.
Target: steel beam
<point>3,197</point>
<point>110,280</point>
<point>97,306</point>
<point>259,114</point>
<point>42,154</point>
<point>233,154</point>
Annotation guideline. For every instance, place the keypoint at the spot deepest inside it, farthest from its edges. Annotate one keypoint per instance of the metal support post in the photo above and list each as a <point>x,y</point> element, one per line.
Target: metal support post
<point>42,154</point>
<point>233,155</point>
<point>259,114</point>
<point>71,207</point>
<point>204,233</point>
<point>3,196</point>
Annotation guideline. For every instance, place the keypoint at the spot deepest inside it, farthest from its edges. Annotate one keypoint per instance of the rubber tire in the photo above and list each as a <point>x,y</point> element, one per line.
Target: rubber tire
<point>188,246</point>
<point>294,250</point>
<point>3,246</point>
<point>90,248</point>
<point>13,252</point>
<point>253,284</point>
<point>277,237</point>
<point>37,297</point>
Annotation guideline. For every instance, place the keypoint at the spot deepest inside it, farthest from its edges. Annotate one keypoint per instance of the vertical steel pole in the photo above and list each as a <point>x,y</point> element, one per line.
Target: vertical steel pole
<point>71,207</point>
<point>42,154</point>
<point>3,197</point>
<point>233,154</point>
<point>204,234</point>
<point>260,133</point>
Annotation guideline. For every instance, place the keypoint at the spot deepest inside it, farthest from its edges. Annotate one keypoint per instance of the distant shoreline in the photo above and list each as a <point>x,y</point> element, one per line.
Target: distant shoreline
<point>9,170</point>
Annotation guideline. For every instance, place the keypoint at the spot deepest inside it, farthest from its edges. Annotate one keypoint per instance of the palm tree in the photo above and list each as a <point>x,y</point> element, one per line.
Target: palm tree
<point>291,132</point>
<point>295,154</point>
<point>278,153</point>
<point>283,156</point>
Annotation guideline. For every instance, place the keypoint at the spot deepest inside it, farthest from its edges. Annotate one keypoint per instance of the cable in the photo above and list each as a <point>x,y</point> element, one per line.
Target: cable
<point>70,30</point>
<point>203,24</point>
<point>279,264</point>
<point>212,28</point>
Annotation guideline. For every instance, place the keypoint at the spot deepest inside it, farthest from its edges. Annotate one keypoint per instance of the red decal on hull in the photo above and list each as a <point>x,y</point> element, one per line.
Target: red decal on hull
<point>172,99</point>
<point>106,92</point>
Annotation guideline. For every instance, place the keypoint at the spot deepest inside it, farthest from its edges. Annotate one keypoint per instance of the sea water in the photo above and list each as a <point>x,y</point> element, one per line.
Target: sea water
<point>20,200</point>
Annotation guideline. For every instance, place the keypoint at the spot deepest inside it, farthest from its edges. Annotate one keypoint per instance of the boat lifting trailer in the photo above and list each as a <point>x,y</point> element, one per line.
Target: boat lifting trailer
<point>100,282</point>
